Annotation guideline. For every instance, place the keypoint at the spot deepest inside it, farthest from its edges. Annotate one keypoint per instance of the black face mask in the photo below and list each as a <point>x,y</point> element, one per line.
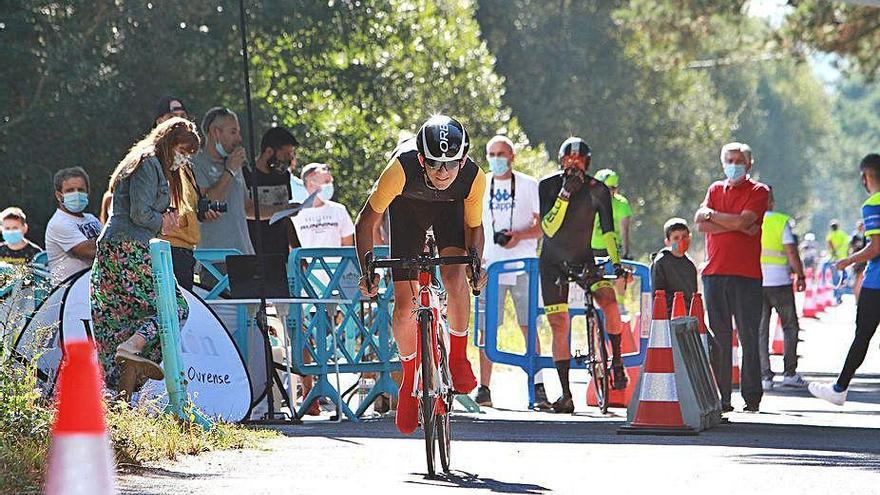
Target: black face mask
<point>277,166</point>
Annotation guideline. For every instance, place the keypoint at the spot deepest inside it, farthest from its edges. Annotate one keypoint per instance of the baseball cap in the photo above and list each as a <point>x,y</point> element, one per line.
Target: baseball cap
<point>312,168</point>
<point>168,104</point>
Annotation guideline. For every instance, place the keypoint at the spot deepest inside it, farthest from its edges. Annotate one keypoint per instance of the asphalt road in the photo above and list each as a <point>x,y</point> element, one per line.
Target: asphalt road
<point>796,444</point>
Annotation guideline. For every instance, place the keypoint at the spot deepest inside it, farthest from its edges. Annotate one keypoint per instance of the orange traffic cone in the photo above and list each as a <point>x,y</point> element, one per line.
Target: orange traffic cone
<point>778,347</point>
<point>619,398</point>
<point>811,300</point>
<point>734,372</point>
<point>80,458</point>
<point>659,412</point>
<point>697,312</point>
<point>678,309</point>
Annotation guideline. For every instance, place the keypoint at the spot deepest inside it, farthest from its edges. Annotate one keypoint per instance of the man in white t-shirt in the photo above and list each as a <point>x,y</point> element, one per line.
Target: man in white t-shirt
<point>327,223</point>
<point>71,234</point>
<point>512,227</point>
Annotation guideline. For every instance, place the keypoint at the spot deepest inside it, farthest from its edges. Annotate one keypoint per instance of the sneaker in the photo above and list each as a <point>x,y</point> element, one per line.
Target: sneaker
<point>751,407</point>
<point>540,394</point>
<point>826,391</point>
<point>382,404</point>
<point>563,405</point>
<point>463,379</point>
<point>619,378</point>
<point>794,381</point>
<point>484,396</point>
<point>767,384</point>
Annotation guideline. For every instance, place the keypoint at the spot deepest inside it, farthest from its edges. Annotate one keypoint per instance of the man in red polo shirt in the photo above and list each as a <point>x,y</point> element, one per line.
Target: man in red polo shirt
<point>731,217</point>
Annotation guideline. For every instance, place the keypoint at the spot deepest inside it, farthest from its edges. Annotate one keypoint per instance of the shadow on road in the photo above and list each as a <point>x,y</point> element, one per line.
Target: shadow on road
<point>470,481</point>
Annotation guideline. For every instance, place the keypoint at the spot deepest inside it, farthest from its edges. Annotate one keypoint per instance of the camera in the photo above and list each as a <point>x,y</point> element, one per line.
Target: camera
<point>205,205</point>
<point>502,238</point>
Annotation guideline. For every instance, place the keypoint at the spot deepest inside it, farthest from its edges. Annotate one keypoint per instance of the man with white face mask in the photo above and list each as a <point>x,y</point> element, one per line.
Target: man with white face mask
<point>71,233</point>
<point>731,217</point>
<point>511,226</point>
<point>327,223</point>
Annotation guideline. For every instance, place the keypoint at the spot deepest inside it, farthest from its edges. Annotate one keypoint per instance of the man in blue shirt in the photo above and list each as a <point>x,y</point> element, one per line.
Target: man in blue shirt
<point>868,305</point>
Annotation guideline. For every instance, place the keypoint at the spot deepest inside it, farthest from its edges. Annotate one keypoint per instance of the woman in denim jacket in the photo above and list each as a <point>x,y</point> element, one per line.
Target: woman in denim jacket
<point>146,191</point>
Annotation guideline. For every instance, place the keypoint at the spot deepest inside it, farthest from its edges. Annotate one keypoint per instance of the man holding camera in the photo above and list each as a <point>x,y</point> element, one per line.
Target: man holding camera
<point>218,172</point>
<point>511,219</point>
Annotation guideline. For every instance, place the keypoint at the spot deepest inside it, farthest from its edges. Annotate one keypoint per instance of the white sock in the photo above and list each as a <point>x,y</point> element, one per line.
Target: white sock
<point>408,358</point>
<point>539,377</point>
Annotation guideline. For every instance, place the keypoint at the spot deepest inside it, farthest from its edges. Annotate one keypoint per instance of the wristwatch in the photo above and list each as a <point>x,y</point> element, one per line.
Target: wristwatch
<point>708,215</point>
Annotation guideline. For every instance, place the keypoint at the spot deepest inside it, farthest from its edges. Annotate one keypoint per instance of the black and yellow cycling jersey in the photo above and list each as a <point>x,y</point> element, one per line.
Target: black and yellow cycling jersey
<point>414,205</point>
<point>568,230</point>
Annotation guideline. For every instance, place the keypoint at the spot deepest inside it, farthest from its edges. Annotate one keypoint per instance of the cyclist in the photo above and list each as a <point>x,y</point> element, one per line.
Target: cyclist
<point>429,181</point>
<point>569,201</point>
<point>622,216</point>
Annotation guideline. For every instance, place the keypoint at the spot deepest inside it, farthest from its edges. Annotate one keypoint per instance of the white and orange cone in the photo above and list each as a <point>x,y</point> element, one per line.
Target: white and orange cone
<point>659,411</point>
<point>811,300</point>
<point>735,359</point>
<point>778,347</point>
<point>678,310</point>
<point>80,458</point>
<point>698,313</point>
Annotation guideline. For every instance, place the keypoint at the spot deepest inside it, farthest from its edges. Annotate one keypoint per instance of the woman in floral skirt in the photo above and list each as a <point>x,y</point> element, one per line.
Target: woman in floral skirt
<point>146,190</point>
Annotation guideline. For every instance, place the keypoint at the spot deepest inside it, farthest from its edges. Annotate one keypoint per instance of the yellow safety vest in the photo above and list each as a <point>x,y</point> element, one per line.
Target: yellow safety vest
<point>772,249</point>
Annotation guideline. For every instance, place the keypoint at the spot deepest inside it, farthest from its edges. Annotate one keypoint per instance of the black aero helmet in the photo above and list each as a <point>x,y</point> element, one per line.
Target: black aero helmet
<point>442,139</point>
<point>574,145</point>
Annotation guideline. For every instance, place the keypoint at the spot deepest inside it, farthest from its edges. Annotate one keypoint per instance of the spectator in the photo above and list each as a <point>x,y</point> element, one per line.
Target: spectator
<point>147,193</point>
<point>856,244</point>
<point>838,249</point>
<point>217,169</point>
<point>868,304</point>
<point>71,233</point>
<point>327,223</point>
<point>622,216</point>
<point>168,107</point>
<point>731,217</point>
<point>512,227</point>
<point>16,249</point>
<point>779,258</point>
<point>809,251</point>
<point>272,175</point>
<point>672,270</point>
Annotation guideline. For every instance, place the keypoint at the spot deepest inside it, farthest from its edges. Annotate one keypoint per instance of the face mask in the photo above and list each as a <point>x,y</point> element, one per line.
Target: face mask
<point>498,165</point>
<point>734,171</point>
<point>179,161</point>
<point>680,247</point>
<point>76,202</point>
<point>13,237</point>
<point>326,192</point>
<point>220,151</point>
<point>298,191</point>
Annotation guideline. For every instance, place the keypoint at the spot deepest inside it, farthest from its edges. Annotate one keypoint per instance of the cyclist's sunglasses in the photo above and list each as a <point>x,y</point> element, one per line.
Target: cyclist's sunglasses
<point>436,165</point>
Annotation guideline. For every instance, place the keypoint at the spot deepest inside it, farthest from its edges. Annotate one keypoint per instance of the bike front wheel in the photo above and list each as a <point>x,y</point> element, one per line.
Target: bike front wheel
<point>427,398</point>
<point>599,363</point>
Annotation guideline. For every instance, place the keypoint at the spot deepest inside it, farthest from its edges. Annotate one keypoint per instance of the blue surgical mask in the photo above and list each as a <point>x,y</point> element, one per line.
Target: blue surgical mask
<point>13,237</point>
<point>734,171</point>
<point>220,151</point>
<point>326,191</point>
<point>498,165</point>
<point>298,191</point>
<point>76,202</point>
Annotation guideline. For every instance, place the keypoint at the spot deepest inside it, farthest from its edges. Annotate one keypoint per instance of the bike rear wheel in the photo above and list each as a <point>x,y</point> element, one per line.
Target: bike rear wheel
<point>427,398</point>
<point>599,362</point>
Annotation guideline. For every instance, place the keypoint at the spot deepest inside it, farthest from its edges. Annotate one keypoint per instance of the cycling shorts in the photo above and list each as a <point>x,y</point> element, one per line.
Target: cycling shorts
<point>556,295</point>
<point>410,221</point>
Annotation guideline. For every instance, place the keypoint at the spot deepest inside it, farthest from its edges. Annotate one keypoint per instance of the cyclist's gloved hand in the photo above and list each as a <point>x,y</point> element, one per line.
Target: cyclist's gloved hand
<point>620,271</point>
<point>572,181</point>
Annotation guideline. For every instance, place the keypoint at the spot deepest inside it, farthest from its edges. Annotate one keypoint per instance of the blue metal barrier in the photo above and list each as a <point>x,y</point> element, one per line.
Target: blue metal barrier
<point>531,362</point>
<point>333,273</point>
<point>207,258</point>
<point>169,333</point>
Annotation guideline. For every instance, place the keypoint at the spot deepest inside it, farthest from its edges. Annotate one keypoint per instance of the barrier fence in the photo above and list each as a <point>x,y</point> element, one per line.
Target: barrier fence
<point>531,362</point>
